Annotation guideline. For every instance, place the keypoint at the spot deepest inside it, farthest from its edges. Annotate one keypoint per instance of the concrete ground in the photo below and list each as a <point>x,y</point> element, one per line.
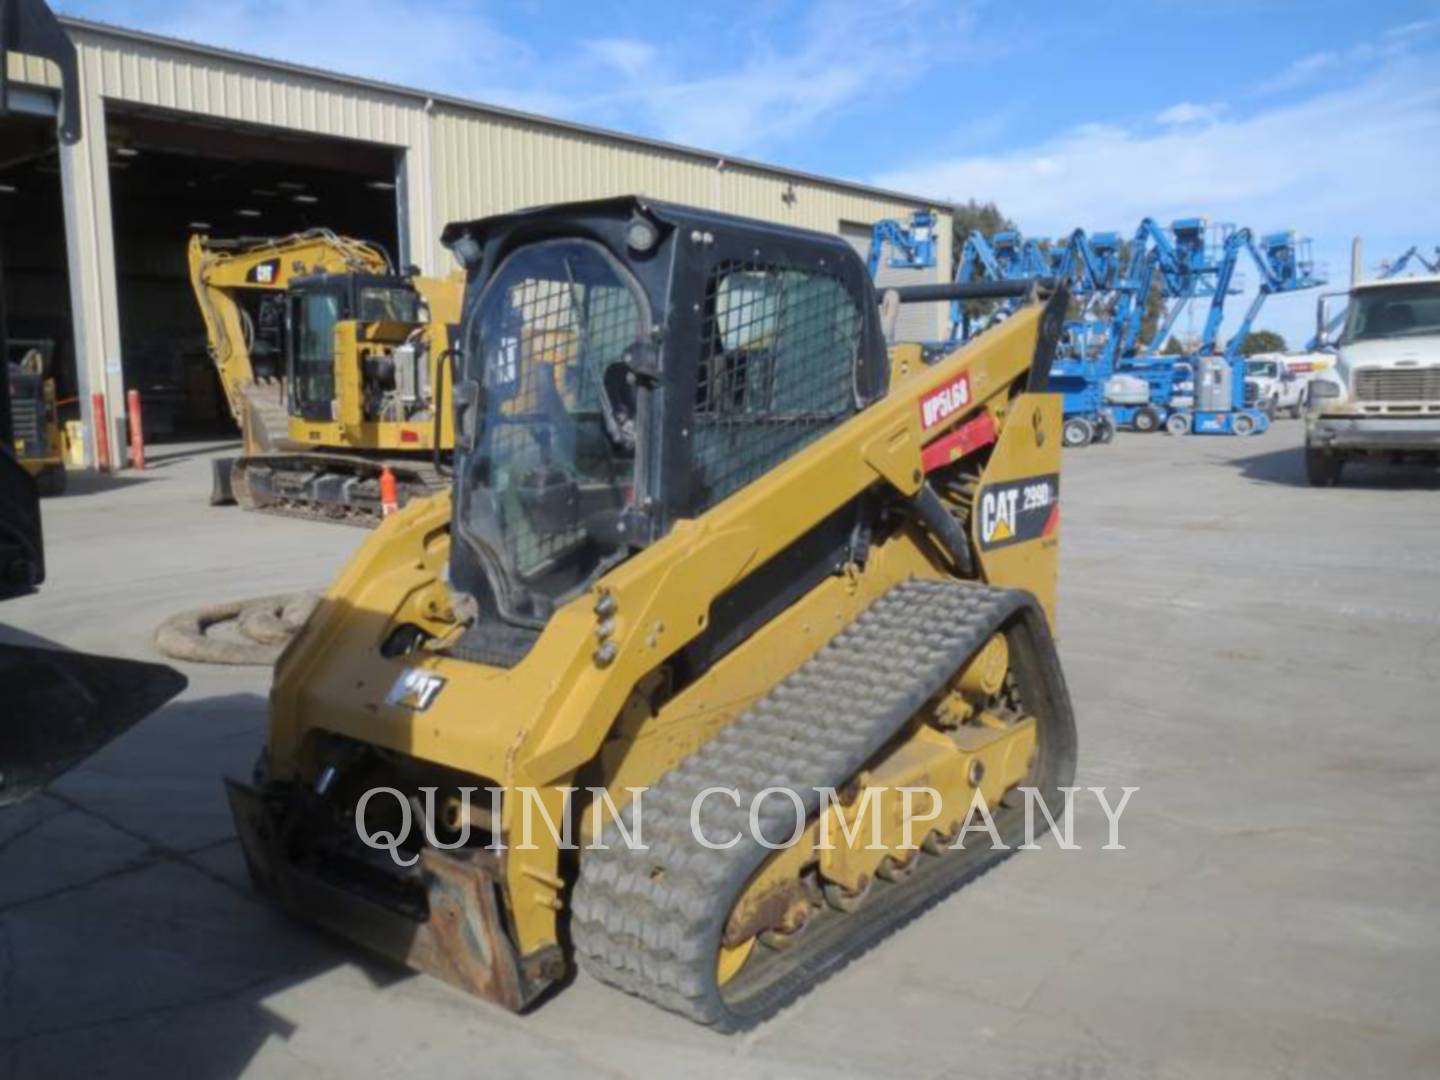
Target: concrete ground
<point>1261,659</point>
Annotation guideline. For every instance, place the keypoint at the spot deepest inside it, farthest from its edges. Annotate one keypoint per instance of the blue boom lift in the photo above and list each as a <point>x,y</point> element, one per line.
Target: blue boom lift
<point>1219,406</point>
<point>1186,263</point>
<point>912,246</point>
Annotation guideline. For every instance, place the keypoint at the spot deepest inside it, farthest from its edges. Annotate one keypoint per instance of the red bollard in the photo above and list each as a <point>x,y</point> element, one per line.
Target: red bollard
<point>102,432</point>
<point>389,498</point>
<point>137,432</point>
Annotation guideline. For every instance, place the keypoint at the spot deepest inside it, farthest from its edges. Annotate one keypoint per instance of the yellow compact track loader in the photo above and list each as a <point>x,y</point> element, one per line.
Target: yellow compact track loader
<point>709,545</point>
<point>333,366</point>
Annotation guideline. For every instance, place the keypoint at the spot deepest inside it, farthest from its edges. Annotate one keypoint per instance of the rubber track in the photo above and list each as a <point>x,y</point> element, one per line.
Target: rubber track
<point>649,920</point>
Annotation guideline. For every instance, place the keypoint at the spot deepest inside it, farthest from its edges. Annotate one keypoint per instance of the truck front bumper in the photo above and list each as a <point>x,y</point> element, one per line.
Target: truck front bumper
<point>1393,433</point>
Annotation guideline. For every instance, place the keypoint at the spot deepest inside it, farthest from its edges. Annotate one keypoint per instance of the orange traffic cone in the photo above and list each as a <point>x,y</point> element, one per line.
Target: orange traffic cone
<point>389,499</point>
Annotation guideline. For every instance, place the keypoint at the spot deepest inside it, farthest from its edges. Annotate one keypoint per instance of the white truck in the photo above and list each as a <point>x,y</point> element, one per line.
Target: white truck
<point>1280,382</point>
<point>1382,397</point>
<point>1271,385</point>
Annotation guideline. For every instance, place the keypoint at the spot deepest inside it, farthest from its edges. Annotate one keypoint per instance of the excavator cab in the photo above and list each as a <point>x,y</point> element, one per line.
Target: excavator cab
<point>388,307</point>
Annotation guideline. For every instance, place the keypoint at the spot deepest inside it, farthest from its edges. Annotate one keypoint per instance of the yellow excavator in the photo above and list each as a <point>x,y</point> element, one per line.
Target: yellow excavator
<point>718,576</point>
<point>34,415</point>
<point>333,365</point>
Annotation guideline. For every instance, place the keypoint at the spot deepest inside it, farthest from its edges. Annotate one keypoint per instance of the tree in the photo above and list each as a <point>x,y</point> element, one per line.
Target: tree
<point>1262,341</point>
<point>974,217</point>
<point>971,217</point>
<point>1173,346</point>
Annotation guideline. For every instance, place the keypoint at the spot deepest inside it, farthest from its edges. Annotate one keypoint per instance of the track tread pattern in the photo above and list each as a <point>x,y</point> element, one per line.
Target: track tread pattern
<point>648,921</point>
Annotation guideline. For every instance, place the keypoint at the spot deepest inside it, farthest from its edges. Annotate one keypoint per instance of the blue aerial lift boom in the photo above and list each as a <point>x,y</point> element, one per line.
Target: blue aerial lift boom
<point>1219,408</point>
<point>912,246</point>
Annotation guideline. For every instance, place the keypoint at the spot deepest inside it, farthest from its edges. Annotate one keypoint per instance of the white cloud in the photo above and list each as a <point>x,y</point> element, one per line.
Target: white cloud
<point>847,52</point>
<point>1188,112</point>
<point>627,55</point>
<point>442,45</point>
<point>1355,161</point>
<point>1303,70</point>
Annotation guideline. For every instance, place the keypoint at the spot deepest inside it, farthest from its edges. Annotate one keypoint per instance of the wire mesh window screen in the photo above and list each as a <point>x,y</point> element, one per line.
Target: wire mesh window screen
<point>560,319</point>
<point>777,370</point>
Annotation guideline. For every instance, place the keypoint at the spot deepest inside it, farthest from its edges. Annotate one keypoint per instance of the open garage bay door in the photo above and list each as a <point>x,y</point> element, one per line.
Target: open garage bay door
<point>173,174</point>
<point>32,251</point>
<point>918,322</point>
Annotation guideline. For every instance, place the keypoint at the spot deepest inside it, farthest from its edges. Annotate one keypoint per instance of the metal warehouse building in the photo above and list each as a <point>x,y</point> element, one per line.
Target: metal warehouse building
<point>175,138</point>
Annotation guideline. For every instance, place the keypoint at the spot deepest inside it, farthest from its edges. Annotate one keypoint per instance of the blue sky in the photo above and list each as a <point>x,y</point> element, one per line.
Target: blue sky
<point>1322,116</point>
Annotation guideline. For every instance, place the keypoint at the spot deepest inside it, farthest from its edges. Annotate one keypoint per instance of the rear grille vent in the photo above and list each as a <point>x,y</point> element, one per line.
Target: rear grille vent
<point>28,419</point>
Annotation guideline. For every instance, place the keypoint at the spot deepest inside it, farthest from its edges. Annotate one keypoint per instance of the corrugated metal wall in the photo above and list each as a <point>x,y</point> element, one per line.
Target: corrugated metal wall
<point>460,163</point>
<point>30,69</point>
<point>486,163</point>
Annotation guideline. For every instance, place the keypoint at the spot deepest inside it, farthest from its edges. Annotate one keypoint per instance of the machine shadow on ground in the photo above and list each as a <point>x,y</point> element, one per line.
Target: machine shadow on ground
<point>137,954</point>
<point>1287,467</point>
<point>90,482</point>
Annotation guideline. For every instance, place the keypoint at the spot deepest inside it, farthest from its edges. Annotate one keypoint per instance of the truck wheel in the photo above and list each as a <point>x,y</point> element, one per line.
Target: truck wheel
<point>1178,424</point>
<point>1147,419</point>
<point>1077,432</point>
<point>1322,469</point>
<point>1243,425</point>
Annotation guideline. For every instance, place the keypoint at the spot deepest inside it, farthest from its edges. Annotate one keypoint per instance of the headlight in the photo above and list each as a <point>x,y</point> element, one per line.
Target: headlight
<point>1322,392</point>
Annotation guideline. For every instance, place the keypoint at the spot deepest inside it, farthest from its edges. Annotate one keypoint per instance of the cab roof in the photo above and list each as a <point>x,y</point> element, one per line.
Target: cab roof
<point>1386,283</point>
<point>673,214</point>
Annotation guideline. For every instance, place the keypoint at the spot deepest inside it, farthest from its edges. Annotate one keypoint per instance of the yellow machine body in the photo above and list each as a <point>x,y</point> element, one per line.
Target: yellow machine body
<point>219,271</point>
<point>35,421</point>
<point>355,341</point>
<point>590,705</point>
<point>324,460</point>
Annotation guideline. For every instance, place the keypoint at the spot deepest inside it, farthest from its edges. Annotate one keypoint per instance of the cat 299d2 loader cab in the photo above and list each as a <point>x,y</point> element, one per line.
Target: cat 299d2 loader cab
<point>705,534</point>
<point>333,365</point>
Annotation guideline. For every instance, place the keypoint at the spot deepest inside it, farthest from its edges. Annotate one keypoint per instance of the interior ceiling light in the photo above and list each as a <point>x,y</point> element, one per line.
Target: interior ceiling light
<point>248,213</point>
<point>381,185</point>
<point>7,189</point>
<point>126,151</point>
<point>290,185</point>
<point>199,225</point>
<point>304,199</point>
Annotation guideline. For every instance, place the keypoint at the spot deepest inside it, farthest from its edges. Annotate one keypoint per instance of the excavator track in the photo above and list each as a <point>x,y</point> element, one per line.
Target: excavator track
<point>650,921</point>
<point>289,481</point>
<point>329,487</point>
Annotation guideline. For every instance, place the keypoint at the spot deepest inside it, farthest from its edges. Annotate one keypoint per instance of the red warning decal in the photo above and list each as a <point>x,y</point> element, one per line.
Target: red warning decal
<point>941,404</point>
